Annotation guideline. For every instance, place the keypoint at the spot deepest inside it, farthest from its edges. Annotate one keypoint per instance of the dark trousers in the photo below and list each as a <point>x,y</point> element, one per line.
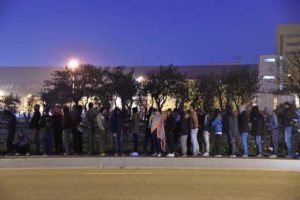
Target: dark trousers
<point>135,141</point>
<point>48,141</point>
<point>77,140</point>
<point>157,143</point>
<point>36,136</point>
<point>148,138</point>
<point>275,137</point>
<point>218,138</point>
<point>9,141</point>
<point>22,149</point>
<point>170,141</point>
<point>58,141</point>
<point>118,142</point>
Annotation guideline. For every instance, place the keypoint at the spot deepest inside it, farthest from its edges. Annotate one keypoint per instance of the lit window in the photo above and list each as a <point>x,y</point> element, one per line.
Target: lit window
<point>269,60</point>
<point>268,77</point>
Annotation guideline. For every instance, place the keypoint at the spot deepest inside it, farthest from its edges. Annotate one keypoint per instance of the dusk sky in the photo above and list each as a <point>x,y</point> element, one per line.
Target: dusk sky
<point>140,32</point>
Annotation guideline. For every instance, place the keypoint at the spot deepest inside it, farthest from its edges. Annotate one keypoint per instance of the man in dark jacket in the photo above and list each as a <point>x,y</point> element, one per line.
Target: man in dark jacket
<point>117,126</point>
<point>34,125</point>
<point>170,131</point>
<point>288,118</point>
<point>77,129</point>
<point>47,126</point>
<point>148,135</point>
<point>11,130</point>
<point>91,125</point>
<point>230,127</point>
<point>243,120</point>
<point>257,120</point>
<point>67,130</point>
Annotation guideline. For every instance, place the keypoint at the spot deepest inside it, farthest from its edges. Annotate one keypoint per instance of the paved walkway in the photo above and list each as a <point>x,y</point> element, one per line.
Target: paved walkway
<point>149,162</point>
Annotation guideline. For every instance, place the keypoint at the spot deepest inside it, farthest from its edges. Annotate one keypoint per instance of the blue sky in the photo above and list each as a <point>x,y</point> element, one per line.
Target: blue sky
<point>140,32</point>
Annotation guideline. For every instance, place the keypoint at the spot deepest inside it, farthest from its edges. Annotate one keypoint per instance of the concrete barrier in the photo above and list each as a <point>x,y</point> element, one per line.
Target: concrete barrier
<point>149,162</point>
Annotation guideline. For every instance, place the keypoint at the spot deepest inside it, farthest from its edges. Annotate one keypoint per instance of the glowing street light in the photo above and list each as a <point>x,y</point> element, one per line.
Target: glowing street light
<point>2,93</point>
<point>140,79</point>
<point>73,64</point>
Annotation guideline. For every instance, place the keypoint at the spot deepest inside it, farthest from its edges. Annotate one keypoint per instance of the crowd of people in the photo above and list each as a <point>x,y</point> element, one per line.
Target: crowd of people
<point>172,133</point>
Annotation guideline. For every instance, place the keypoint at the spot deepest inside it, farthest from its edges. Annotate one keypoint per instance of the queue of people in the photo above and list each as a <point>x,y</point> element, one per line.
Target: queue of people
<point>173,133</point>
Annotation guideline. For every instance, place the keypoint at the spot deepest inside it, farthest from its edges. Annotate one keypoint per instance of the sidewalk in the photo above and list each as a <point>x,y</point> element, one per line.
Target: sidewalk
<point>149,162</point>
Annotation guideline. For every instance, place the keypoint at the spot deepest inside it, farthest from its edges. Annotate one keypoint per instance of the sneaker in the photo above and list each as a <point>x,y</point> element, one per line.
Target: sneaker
<point>171,155</point>
<point>184,155</point>
<point>116,155</point>
<point>206,154</point>
<point>134,154</point>
<point>27,154</point>
<point>259,156</point>
<point>154,155</point>
<point>232,156</point>
<point>66,154</point>
<point>218,156</point>
<point>273,156</point>
<point>159,155</point>
<point>195,155</point>
<point>102,154</point>
<point>245,156</point>
<point>45,154</point>
<point>17,154</point>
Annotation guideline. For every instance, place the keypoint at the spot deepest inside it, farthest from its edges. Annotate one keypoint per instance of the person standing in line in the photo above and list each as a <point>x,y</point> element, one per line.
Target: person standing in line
<point>158,132</point>
<point>257,120</point>
<point>77,129</point>
<point>217,129</point>
<point>288,116</point>
<point>170,124</point>
<point>177,116</point>
<point>11,127</point>
<point>230,127</point>
<point>58,130</point>
<point>47,124</point>
<point>206,132</point>
<point>91,122</point>
<point>148,136</point>
<point>34,125</point>
<point>67,130</point>
<point>117,126</point>
<point>135,129</point>
<point>273,127</point>
<point>184,132</point>
<point>194,125</point>
<point>298,131</point>
<point>21,144</point>
<point>101,125</point>
<point>243,120</point>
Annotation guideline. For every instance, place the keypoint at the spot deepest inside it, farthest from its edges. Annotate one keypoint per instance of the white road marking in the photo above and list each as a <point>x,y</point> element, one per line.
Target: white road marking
<point>117,173</point>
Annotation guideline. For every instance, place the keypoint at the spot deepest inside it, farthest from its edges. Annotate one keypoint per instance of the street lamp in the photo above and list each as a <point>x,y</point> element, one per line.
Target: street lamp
<point>140,79</point>
<point>73,64</point>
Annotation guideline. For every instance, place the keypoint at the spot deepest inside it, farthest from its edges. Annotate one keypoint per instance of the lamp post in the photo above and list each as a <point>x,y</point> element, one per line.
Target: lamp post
<point>73,64</point>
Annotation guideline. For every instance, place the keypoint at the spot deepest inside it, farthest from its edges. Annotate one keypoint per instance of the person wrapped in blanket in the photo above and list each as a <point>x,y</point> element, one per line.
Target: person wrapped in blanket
<point>158,132</point>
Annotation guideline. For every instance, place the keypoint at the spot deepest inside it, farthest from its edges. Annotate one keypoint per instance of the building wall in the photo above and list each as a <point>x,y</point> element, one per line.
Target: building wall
<point>267,71</point>
<point>287,42</point>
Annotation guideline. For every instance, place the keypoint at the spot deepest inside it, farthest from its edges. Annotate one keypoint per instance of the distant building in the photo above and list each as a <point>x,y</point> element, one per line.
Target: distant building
<point>287,43</point>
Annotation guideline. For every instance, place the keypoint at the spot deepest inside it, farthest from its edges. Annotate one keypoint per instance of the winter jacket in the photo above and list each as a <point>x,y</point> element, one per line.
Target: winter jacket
<point>289,117</point>
<point>91,118</point>
<point>117,122</point>
<point>135,123</point>
<point>170,124</point>
<point>273,122</point>
<point>230,125</point>
<point>184,126</point>
<point>205,122</point>
<point>101,122</point>
<point>46,122</point>
<point>217,124</point>
<point>34,123</point>
<point>257,121</point>
<point>67,121</point>
<point>194,123</point>
<point>243,120</point>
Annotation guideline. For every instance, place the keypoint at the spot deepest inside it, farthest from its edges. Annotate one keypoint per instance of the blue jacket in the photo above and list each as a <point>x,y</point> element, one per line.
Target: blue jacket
<point>217,124</point>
